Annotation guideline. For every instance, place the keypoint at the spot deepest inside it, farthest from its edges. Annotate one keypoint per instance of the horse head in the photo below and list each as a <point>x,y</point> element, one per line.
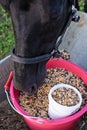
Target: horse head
<point>37,24</point>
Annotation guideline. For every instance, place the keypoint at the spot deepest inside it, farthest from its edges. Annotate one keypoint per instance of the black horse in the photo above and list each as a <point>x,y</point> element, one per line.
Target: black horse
<point>37,24</point>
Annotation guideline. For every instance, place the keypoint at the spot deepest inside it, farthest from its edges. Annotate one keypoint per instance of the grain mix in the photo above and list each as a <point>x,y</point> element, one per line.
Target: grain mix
<point>37,104</point>
<point>65,96</point>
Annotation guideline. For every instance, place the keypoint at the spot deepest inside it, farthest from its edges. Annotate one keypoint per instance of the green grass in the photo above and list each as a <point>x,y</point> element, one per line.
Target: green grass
<point>81,4</point>
<point>6,31</point>
<point>6,34</point>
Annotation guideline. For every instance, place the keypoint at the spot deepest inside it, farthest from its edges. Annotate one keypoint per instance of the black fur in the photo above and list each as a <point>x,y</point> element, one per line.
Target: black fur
<point>37,25</point>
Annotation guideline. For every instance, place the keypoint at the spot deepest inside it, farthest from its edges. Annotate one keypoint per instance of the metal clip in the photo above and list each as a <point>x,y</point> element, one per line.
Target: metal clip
<point>74,10</point>
<point>56,54</point>
<point>76,18</point>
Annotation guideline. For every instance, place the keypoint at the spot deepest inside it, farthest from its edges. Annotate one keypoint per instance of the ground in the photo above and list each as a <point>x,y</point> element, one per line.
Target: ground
<point>10,120</point>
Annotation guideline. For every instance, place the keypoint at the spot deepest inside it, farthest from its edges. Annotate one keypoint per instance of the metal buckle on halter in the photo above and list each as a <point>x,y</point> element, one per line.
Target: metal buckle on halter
<point>75,17</point>
<point>56,54</point>
<point>74,10</point>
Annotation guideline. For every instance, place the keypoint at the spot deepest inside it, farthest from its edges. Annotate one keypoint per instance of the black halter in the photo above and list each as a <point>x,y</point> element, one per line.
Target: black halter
<point>54,53</point>
<point>34,60</point>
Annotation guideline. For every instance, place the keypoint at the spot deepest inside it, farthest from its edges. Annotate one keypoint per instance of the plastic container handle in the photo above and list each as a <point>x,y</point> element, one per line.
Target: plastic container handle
<point>36,119</point>
<point>8,83</point>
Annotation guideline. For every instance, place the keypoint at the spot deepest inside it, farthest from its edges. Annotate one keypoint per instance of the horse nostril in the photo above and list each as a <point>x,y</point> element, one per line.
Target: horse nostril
<point>33,89</point>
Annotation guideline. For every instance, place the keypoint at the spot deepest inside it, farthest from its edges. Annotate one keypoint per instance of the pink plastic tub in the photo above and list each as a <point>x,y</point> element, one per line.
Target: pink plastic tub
<point>67,123</point>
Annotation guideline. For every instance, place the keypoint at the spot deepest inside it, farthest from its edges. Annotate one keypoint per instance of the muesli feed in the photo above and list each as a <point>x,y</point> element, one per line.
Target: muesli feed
<point>37,104</point>
<point>65,96</point>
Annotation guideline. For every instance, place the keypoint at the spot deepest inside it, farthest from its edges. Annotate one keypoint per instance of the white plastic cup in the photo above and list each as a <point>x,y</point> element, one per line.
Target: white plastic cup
<point>56,110</point>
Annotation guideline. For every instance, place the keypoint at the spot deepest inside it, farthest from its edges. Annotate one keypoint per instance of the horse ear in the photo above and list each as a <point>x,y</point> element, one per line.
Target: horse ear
<point>5,4</point>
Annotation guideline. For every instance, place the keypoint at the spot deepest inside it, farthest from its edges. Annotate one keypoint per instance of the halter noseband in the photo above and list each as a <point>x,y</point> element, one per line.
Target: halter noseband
<point>34,60</point>
<point>54,53</point>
